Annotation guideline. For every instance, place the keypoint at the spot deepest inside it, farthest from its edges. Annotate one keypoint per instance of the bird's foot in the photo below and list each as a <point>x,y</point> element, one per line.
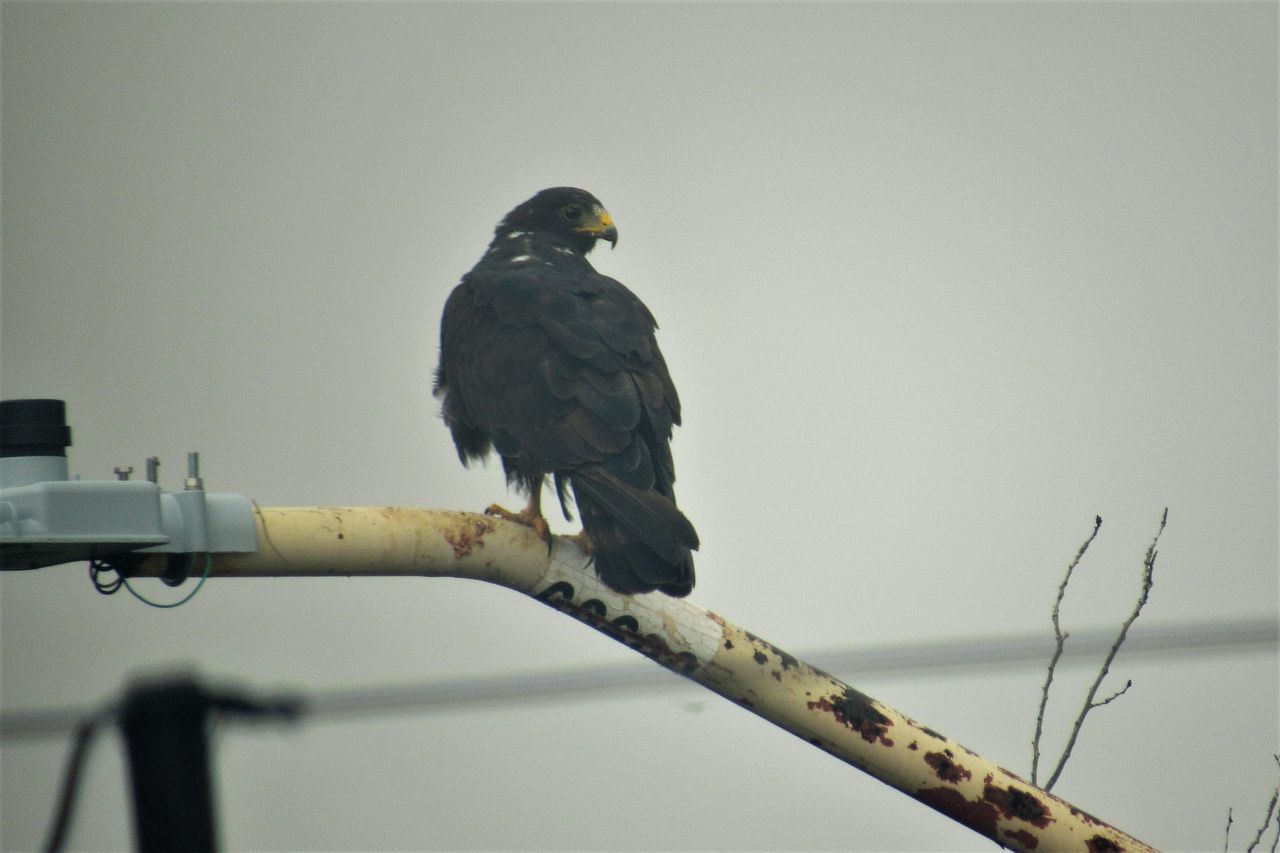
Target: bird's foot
<point>582,540</point>
<point>526,517</point>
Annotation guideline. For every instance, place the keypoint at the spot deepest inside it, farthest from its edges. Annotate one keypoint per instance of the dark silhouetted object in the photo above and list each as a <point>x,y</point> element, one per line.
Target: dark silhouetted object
<point>165,727</point>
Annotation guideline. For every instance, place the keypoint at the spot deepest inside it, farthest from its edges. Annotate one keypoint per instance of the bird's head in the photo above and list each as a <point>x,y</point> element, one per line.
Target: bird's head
<point>570,214</point>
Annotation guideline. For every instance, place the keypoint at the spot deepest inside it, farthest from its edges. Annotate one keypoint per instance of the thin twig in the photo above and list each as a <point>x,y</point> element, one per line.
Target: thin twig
<point>1226,842</point>
<point>1061,639</point>
<point>1123,690</point>
<point>1266,822</point>
<point>1148,573</point>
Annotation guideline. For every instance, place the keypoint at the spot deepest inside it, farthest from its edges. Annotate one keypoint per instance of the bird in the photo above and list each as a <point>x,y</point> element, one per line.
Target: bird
<point>556,368</point>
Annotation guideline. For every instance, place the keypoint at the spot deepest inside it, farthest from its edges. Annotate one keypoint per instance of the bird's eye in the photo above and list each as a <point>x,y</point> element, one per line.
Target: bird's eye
<point>572,212</point>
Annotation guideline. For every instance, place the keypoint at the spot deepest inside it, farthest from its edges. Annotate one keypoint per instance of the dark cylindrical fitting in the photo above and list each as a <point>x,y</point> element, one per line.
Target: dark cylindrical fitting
<point>34,428</point>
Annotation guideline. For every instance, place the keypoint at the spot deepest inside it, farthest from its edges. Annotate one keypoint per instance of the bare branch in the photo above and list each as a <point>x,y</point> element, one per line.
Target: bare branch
<point>1226,843</point>
<point>1148,572</point>
<point>1061,639</point>
<point>1123,690</point>
<point>1266,822</point>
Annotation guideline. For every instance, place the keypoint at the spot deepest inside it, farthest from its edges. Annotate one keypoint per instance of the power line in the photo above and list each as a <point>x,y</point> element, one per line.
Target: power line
<point>1242,636</point>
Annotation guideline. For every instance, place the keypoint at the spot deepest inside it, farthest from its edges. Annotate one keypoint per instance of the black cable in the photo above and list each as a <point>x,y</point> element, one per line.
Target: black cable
<point>85,731</point>
<point>899,660</point>
<point>1239,636</point>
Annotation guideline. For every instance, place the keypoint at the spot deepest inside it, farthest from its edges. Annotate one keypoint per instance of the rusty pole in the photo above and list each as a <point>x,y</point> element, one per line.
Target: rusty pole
<point>685,638</point>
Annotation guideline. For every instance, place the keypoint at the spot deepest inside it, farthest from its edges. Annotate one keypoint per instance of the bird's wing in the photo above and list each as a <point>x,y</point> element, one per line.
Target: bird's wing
<point>562,370</point>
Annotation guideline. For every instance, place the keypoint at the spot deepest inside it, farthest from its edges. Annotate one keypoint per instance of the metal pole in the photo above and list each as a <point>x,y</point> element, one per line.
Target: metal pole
<point>165,726</point>
<point>696,643</point>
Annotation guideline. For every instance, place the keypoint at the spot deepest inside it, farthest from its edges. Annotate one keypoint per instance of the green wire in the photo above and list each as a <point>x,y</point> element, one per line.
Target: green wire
<point>208,565</point>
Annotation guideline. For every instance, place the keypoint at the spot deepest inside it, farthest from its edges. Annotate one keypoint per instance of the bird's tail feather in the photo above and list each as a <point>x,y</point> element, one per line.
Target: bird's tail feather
<point>640,540</point>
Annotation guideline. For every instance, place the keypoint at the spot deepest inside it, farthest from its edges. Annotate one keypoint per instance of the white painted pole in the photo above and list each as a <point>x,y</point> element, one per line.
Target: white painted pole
<point>699,644</point>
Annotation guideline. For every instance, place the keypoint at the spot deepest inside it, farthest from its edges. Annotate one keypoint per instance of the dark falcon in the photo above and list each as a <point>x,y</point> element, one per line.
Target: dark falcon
<point>556,367</point>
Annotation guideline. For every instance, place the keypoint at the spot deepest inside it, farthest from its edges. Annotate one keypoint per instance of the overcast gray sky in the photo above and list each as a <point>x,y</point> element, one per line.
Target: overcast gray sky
<point>937,285</point>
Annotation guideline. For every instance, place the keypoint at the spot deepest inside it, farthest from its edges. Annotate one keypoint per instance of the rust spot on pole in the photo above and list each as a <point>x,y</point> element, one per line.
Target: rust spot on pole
<point>1015,803</point>
<point>858,712</point>
<point>788,661</point>
<point>467,536</point>
<point>979,816</point>
<point>946,768</point>
<point>1025,839</point>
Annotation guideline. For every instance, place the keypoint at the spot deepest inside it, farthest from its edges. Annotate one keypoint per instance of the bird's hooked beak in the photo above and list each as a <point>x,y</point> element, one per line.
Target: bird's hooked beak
<point>601,226</point>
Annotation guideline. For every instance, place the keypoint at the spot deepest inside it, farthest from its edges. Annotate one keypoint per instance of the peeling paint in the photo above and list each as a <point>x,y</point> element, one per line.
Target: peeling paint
<point>858,712</point>
<point>946,768</point>
<point>975,814</point>
<point>670,626</point>
<point>1024,839</point>
<point>467,536</point>
<point>788,661</point>
<point>1015,803</point>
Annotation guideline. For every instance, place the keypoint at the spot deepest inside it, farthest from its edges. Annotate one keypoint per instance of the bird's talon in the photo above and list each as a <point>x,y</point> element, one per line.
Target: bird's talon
<point>526,518</point>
